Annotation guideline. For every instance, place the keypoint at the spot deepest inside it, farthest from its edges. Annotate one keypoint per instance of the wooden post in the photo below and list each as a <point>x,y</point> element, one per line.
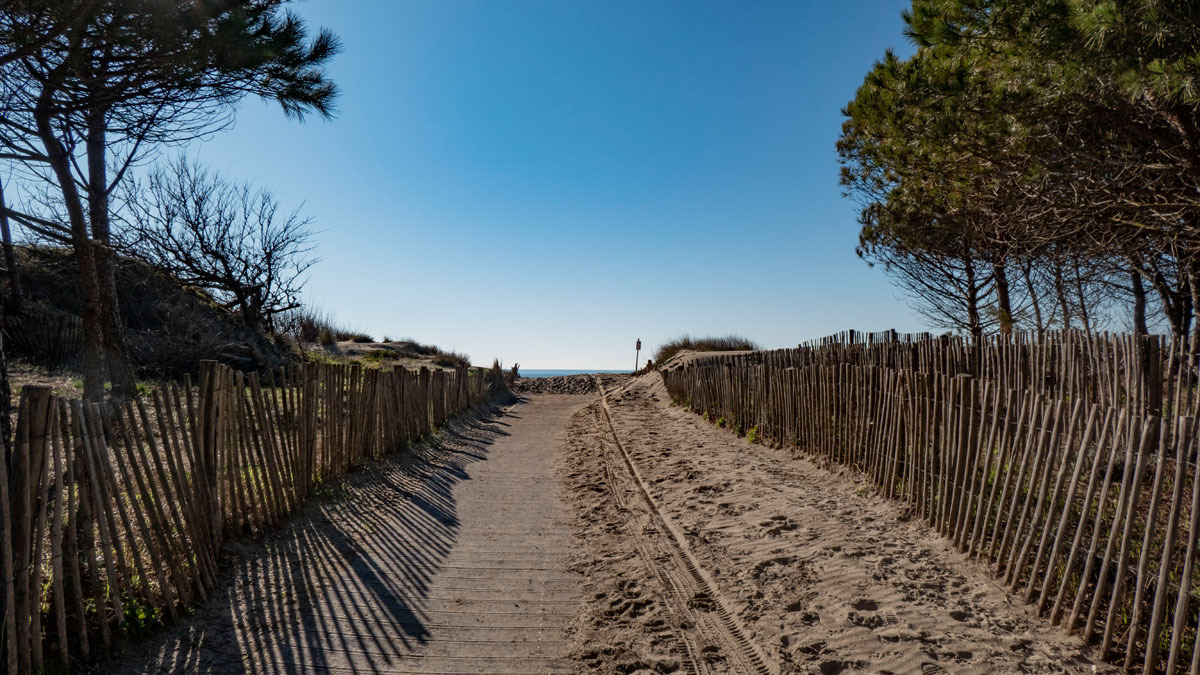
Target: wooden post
<point>25,477</point>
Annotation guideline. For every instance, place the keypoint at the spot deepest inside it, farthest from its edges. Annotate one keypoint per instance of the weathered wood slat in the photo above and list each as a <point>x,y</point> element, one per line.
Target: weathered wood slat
<point>1032,454</point>
<point>118,510</point>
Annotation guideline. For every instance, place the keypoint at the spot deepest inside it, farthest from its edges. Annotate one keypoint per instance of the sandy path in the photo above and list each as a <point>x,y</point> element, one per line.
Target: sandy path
<point>451,559</point>
<point>820,574</point>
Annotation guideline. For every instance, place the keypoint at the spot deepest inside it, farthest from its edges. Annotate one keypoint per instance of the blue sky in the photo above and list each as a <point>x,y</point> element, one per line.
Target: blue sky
<point>545,182</point>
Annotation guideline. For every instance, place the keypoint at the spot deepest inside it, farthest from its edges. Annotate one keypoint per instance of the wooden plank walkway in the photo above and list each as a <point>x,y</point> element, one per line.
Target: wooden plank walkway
<point>450,560</point>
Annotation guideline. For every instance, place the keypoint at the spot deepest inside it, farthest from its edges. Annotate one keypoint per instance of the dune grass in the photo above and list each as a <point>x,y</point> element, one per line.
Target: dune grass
<point>727,343</point>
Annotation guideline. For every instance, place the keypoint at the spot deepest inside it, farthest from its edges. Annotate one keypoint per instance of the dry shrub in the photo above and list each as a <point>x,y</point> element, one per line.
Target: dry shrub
<point>728,343</point>
<point>309,325</point>
<point>169,328</point>
<point>452,360</point>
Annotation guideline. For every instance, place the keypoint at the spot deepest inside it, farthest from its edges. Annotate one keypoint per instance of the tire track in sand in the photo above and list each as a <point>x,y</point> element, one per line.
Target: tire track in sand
<point>678,602</point>
<point>728,631</point>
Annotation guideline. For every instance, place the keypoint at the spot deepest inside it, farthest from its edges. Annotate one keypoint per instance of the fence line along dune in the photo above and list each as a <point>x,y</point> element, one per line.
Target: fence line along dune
<point>114,514</point>
<point>1066,463</point>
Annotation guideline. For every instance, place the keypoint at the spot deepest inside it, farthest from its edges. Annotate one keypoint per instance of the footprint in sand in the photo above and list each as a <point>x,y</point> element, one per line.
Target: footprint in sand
<point>627,607</point>
<point>865,614</point>
<point>811,649</point>
<point>703,602</point>
<point>869,621</point>
<point>630,602</point>
<point>836,666</point>
<point>777,525</point>
<point>712,654</point>
<point>711,488</point>
<point>796,605</point>
<point>1021,645</point>
<point>781,566</point>
<point>864,605</point>
<point>1003,625</point>
<point>731,509</point>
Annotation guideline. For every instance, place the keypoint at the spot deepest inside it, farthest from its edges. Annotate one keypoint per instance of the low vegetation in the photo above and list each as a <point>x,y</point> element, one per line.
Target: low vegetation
<point>312,325</point>
<point>451,360</point>
<point>728,343</point>
<point>407,352</point>
<point>169,327</point>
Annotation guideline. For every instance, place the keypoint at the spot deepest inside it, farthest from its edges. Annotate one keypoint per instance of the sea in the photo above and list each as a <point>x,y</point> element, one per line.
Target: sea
<point>555,373</point>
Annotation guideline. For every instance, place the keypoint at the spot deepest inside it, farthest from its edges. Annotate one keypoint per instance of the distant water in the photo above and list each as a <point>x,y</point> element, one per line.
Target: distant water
<point>555,373</point>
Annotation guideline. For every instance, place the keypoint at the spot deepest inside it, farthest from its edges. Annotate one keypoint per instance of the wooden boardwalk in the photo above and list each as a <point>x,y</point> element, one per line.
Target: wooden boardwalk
<point>451,560</point>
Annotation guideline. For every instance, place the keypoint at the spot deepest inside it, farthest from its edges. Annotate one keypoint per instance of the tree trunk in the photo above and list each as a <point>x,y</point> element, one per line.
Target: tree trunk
<point>1083,310</point>
<point>115,353</point>
<point>974,322</point>
<point>1172,303</point>
<point>13,303</point>
<point>1061,293</point>
<point>1186,307</point>
<point>16,293</point>
<point>1033,299</point>
<point>1194,299</point>
<point>1139,303</point>
<point>93,336</point>
<point>1003,298</point>
<point>5,394</point>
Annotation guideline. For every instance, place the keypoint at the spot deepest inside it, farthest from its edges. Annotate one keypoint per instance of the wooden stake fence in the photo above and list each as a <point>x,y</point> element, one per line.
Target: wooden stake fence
<point>114,513</point>
<point>1067,463</point>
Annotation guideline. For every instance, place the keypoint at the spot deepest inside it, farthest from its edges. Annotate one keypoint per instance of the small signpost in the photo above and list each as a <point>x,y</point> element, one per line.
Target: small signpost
<point>637,354</point>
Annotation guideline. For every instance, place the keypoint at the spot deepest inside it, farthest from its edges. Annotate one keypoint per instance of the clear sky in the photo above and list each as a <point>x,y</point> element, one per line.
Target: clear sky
<point>545,182</point>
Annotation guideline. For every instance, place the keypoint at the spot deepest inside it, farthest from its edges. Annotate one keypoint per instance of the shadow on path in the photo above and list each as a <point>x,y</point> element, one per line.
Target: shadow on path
<point>344,585</point>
